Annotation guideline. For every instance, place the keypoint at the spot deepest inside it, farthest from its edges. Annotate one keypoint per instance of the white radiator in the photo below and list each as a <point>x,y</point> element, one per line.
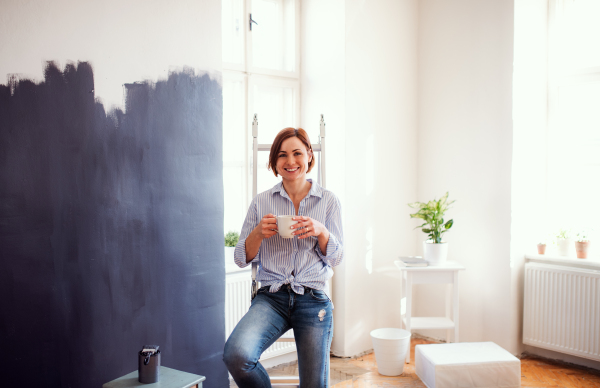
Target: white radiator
<point>562,309</point>
<point>237,303</point>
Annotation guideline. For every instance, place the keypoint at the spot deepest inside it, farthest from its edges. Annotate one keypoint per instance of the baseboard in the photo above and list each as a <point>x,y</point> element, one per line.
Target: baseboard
<point>562,358</point>
<point>432,339</point>
<point>364,353</point>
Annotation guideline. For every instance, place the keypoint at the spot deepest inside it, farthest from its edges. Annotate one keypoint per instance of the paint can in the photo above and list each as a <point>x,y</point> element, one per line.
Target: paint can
<point>149,365</point>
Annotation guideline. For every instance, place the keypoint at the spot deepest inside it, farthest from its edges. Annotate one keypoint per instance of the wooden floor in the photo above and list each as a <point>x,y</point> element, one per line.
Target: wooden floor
<point>362,372</point>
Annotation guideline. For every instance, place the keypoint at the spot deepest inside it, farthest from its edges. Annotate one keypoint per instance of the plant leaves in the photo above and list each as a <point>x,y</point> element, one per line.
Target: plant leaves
<point>444,198</point>
<point>432,213</point>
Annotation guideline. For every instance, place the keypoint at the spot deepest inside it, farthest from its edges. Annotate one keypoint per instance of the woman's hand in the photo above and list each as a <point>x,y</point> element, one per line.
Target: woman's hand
<point>309,227</point>
<point>267,227</point>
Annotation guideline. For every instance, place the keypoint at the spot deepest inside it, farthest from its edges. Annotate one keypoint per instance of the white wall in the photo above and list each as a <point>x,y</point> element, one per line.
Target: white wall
<point>367,90</point>
<point>529,148</point>
<point>464,147</point>
<point>381,140</point>
<point>428,94</point>
<point>125,41</point>
<point>323,92</point>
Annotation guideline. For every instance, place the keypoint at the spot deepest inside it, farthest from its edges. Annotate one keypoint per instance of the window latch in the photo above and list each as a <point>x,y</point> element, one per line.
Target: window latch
<point>252,21</point>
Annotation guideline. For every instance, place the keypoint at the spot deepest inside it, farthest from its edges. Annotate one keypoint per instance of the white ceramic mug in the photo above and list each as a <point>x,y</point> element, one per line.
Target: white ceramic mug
<point>284,224</point>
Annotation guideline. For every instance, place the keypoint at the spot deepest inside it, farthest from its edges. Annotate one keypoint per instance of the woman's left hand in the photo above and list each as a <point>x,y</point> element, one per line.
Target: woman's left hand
<point>309,227</point>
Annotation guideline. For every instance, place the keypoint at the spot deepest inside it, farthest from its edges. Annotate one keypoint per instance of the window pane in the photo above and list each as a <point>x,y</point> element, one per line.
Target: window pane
<point>276,109</point>
<point>577,34</point>
<point>574,156</point>
<point>232,17</point>
<point>234,140</point>
<point>274,106</point>
<point>274,35</point>
<point>235,209</point>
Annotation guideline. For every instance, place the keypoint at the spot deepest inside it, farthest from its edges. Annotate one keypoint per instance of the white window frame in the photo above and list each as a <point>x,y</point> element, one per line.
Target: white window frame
<point>276,82</point>
<point>557,78</point>
<point>247,65</point>
<point>243,78</point>
<point>251,69</point>
<point>252,75</point>
<point>263,80</point>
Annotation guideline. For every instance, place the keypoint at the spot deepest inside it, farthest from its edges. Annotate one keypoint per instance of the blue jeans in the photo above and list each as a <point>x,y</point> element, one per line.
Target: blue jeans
<point>269,317</point>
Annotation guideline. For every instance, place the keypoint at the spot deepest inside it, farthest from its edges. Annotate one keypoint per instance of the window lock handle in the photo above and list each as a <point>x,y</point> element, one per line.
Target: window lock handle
<point>252,21</point>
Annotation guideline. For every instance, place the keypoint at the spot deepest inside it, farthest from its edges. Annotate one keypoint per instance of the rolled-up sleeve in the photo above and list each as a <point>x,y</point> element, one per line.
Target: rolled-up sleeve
<point>239,255</point>
<point>333,223</point>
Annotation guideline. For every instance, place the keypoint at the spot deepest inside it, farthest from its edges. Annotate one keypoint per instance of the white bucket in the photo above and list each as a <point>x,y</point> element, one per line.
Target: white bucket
<point>390,347</point>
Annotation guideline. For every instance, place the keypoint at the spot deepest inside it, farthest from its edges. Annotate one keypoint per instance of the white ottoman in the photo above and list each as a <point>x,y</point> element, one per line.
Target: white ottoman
<point>467,364</point>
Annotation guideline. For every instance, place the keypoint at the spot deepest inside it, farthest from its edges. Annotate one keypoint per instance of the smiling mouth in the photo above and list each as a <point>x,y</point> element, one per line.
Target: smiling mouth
<point>291,169</point>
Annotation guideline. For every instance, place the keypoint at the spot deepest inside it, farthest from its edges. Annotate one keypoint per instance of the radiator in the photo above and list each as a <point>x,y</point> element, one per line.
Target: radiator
<point>237,303</point>
<point>562,309</point>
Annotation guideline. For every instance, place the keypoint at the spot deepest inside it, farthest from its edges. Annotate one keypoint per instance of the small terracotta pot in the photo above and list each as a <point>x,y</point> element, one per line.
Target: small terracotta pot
<point>581,247</point>
<point>541,249</point>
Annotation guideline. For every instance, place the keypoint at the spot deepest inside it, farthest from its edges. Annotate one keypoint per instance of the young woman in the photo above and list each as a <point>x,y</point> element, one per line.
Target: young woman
<point>292,271</point>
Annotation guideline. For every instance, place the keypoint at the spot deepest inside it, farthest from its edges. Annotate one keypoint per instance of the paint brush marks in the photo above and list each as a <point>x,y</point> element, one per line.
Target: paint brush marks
<point>110,228</point>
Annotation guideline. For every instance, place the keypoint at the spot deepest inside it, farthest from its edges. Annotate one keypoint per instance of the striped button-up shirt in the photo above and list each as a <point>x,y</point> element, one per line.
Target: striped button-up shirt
<point>299,263</point>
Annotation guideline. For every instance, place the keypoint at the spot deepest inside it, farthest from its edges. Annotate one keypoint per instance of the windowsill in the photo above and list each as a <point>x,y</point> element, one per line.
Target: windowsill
<point>589,263</point>
<point>229,269</point>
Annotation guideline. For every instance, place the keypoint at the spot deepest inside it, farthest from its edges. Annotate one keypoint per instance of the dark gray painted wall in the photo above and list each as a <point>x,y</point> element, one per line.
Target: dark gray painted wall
<point>110,229</point>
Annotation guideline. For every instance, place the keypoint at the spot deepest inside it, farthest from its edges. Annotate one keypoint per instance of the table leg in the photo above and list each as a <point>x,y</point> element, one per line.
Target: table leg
<point>455,305</point>
<point>408,307</point>
<point>448,309</point>
<point>402,300</point>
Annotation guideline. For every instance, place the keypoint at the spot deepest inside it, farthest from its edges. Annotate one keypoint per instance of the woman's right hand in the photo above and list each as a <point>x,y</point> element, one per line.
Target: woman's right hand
<point>267,227</point>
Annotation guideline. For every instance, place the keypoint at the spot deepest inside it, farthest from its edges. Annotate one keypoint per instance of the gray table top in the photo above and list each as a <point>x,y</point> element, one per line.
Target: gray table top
<point>169,378</point>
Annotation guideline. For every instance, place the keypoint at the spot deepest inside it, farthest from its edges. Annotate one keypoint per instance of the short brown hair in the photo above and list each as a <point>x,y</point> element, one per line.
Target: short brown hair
<point>283,135</point>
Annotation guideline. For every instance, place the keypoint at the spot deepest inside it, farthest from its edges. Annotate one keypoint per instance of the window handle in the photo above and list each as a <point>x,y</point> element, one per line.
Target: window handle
<point>252,21</point>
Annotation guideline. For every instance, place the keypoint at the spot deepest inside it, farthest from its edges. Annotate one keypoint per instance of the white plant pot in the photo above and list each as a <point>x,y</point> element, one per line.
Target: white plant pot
<point>390,346</point>
<point>565,246</point>
<point>435,254</point>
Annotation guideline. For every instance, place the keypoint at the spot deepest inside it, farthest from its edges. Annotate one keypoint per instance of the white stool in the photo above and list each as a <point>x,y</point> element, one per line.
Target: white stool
<point>443,273</point>
<point>466,365</point>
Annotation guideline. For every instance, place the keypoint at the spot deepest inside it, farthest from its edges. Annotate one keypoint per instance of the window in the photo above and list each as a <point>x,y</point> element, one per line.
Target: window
<point>261,75</point>
<point>573,142</point>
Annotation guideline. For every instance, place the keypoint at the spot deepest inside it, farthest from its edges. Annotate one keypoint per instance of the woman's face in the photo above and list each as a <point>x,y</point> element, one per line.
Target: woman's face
<point>293,159</point>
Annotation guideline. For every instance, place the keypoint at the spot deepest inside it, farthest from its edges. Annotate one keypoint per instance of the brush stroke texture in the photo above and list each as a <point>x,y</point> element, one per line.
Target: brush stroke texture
<point>110,229</point>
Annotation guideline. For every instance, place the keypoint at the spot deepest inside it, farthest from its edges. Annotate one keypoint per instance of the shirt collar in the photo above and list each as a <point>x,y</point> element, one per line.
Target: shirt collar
<point>315,189</point>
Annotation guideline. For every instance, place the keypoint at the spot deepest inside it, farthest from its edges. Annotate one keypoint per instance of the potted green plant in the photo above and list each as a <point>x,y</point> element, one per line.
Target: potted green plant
<point>231,240</point>
<point>541,247</point>
<point>435,250</point>
<point>543,239</point>
<point>582,244</point>
<point>564,241</point>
